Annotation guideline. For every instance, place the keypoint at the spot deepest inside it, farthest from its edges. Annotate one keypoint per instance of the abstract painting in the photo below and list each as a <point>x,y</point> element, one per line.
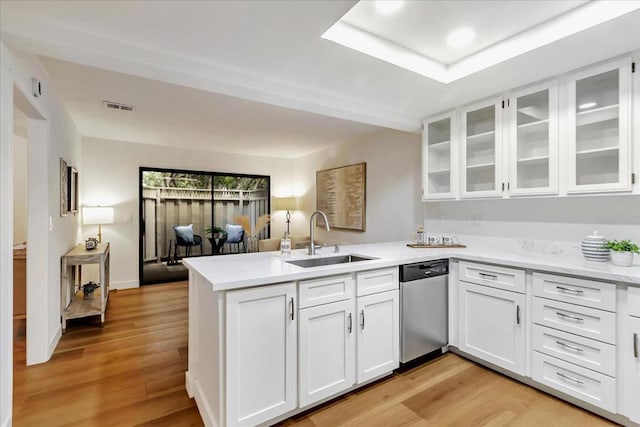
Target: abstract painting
<point>341,194</point>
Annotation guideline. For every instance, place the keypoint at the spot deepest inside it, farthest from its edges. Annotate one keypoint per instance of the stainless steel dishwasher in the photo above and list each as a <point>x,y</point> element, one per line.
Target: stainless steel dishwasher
<point>424,309</point>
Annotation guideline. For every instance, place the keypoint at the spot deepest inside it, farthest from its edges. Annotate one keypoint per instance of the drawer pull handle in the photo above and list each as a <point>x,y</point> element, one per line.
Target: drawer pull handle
<point>568,316</point>
<point>292,307</point>
<point>518,314</point>
<point>490,276</point>
<point>567,377</point>
<point>635,345</point>
<point>350,327</point>
<point>575,291</point>
<point>362,320</point>
<point>569,346</point>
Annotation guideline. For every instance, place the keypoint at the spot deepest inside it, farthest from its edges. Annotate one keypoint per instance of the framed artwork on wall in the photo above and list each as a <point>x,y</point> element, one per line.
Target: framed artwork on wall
<point>72,191</point>
<point>341,194</point>
<point>64,188</point>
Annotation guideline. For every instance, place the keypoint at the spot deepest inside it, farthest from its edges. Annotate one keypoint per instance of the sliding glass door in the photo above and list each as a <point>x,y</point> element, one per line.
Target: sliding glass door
<point>185,214</point>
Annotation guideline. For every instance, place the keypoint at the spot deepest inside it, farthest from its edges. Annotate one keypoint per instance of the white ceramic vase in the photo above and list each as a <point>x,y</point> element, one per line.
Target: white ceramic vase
<point>594,247</point>
<point>621,258</point>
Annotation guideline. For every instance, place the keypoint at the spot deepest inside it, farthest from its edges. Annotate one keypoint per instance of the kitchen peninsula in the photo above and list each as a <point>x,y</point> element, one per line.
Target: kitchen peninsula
<point>268,339</point>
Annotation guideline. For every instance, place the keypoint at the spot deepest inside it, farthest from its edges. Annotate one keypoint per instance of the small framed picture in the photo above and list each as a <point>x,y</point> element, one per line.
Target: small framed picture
<point>73,190</point>
<point>64,188</point>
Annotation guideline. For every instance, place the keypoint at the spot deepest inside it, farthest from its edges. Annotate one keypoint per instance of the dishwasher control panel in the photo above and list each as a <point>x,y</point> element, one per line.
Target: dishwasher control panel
<point>421,270</point>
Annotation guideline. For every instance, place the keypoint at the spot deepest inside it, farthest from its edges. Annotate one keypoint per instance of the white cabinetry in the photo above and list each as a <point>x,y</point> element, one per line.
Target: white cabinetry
<point>339,332</point>
<point>261,353</point>
<point>482,149</point>
<point>378,334</point>
<point>378,308</point>
<point>630,348</point>
<point>533,140</point>
<point>509,146</point>
<point>574,337</point>
<point>492,314</point>
<point>599,128</point>
<point>439,157</point>
<point>327,350</point>
<point>327,346</point>
<point>630,355</point>
<point>492,325</point>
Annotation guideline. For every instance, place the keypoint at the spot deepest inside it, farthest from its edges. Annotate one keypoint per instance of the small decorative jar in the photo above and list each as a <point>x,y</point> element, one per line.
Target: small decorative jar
<point>594,247</point>
<point>91,243</point>
<point>285,246</point>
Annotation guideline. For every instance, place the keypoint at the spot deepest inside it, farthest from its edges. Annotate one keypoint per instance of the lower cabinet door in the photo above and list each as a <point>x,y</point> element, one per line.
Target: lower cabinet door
<point>327,350</point>
<point>630,349</point>
<point>378,323</point>
<point>261,354</point>
<point>492,325</point>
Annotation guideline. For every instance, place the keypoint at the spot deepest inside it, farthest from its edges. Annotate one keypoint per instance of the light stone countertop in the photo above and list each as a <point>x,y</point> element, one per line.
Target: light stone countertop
<point>230,272</point>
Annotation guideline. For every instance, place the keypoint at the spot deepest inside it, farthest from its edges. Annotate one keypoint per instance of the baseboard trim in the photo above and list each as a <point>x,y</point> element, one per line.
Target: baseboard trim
<point>201,403</point>
<point>53,342</point>
<point>127,284</point>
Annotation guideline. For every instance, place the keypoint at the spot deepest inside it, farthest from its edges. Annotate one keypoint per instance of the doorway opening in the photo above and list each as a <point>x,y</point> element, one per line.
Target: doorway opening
<point>185,213</point>
<point>20,140</point>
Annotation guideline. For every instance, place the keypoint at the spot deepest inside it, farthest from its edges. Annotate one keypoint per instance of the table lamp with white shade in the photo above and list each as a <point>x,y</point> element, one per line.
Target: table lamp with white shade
<point>97,215</point>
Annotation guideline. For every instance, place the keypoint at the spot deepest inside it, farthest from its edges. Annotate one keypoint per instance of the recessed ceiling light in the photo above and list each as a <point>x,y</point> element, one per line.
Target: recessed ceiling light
<point>587,105</point>
<point>461,37</point>
<point>387,7</point>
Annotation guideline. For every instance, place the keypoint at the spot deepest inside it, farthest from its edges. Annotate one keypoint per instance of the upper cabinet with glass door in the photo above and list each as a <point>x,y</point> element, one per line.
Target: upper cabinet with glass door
<point>481,149</point>
<point>533,141</point>
<point>438,157</point>
<point>599,128</point>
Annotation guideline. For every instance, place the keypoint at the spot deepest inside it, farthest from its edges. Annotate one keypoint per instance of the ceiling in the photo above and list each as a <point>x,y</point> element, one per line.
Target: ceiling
<point>172,115</point>
<point>233,72</point>
<point>425,29</point>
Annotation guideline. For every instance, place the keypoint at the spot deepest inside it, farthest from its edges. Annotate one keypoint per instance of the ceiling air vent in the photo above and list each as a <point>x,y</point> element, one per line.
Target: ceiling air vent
<point>110,105</point>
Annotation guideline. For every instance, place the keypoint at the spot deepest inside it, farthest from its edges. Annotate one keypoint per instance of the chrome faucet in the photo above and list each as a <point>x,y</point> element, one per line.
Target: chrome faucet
<point>312,246</point>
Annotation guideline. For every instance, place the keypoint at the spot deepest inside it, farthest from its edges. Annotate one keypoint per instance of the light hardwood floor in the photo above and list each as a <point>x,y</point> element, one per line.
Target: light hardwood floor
<point>131,373</point>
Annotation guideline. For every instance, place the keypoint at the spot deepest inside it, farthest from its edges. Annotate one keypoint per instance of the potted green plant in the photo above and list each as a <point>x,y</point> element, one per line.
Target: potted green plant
<point>214,232</point>
<point>622,252</point>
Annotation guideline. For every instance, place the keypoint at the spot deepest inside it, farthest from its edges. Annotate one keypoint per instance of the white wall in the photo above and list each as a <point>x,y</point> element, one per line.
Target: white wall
<point>111,173</point>
<point>559,219</point>
<point>393,186</point>
<point>54,137</point>
<point>19,189</point>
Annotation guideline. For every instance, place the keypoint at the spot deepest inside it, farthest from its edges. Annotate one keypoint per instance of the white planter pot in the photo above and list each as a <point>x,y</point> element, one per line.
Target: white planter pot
<point>623,259</point>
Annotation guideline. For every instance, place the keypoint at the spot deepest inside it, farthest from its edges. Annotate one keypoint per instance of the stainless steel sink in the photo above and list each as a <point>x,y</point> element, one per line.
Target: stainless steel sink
<point>317,262</point>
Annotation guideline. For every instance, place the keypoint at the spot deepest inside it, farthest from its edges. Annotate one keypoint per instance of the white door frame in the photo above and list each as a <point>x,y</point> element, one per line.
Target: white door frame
<point>38,348</point>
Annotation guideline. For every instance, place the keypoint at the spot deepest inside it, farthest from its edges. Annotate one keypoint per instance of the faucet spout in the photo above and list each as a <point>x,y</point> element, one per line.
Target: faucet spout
<point>312,246</point>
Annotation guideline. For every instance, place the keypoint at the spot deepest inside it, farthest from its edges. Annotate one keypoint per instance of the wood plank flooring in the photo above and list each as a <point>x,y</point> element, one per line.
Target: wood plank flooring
<point>131,373</point>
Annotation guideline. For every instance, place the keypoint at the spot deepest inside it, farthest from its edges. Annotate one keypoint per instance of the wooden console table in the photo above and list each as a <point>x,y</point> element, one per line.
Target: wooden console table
<point>73,304</point>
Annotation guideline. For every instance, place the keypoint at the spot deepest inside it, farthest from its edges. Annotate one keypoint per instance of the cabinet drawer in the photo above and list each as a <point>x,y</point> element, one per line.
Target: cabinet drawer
<point>374,281</point>
<point>633,294</point>
<point>572,348</point>
<point>589,293</point>
<point>587,322</point>
<point>584,384</point>
<point>325,290</point>
<point>509,279</point>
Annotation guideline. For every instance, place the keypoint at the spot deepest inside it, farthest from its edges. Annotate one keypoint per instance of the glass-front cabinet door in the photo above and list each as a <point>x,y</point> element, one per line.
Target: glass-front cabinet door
<point>438,157</point>
<point>533,141</point>
<point>599,129</point>
<point>481,149</point>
